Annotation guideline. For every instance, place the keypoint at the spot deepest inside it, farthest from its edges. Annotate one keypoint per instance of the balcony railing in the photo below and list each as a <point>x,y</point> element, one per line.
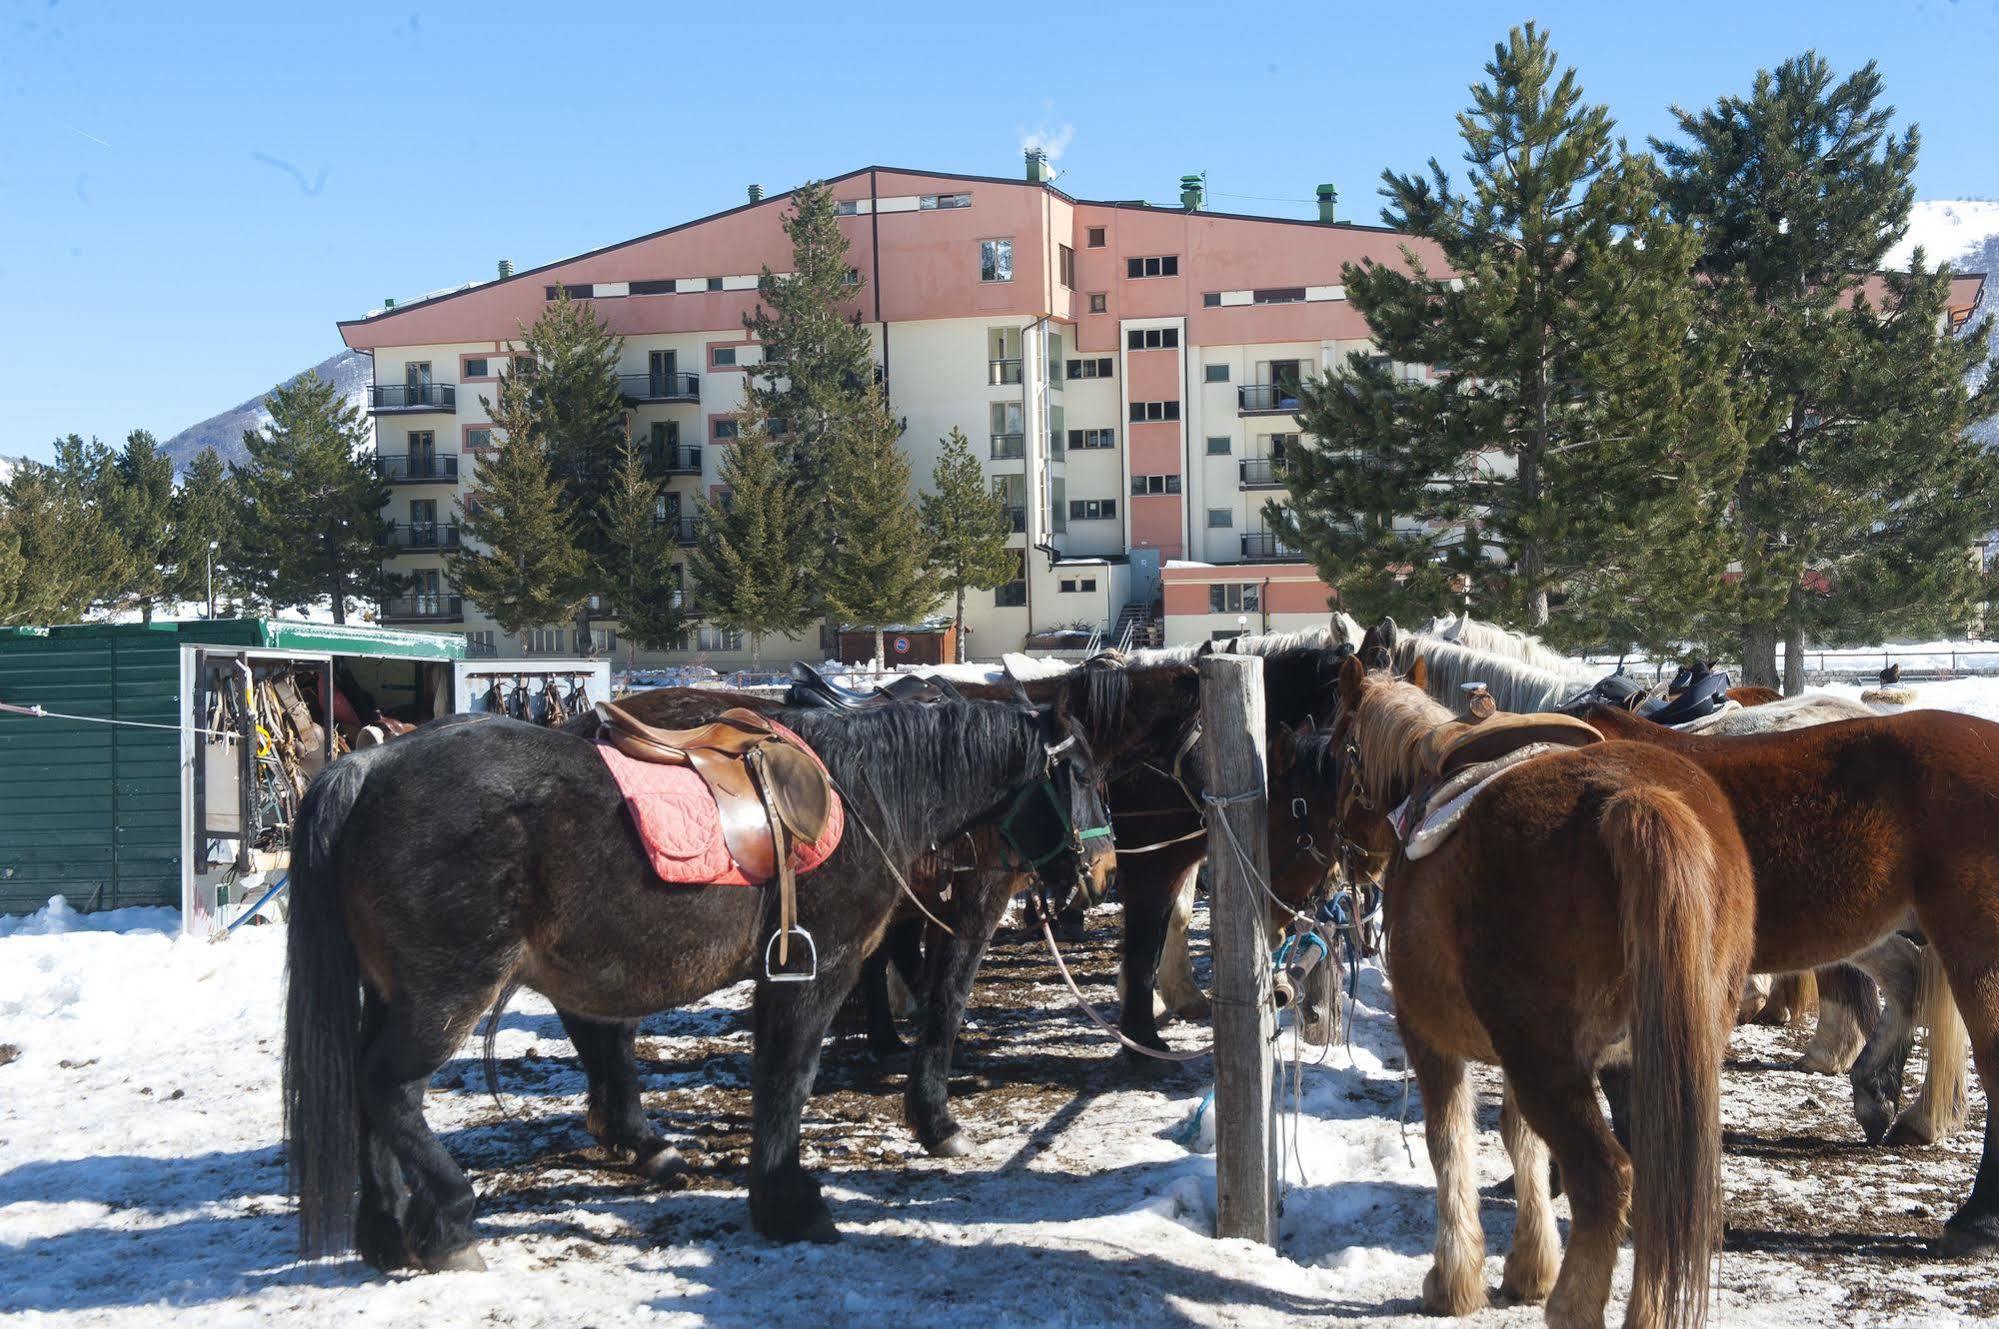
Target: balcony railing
<point>679,529</point>
<point>1002,373</point>
<point>1261,472</point>
<point>419,535</point>
<point>1266,545</point>
<point>1009,447</point>
<point>679,459</point>
<point>420,468</point>
<point>385,398</point>
<point>1266,398</point>
<point>660,387</point>
<point>424,609</point>
<point>1018,516</point>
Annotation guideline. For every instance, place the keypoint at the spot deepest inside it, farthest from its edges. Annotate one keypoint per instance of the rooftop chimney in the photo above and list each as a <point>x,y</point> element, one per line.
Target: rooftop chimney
<point>1329,198</point>
<point>1193,188</point>
<point>506,268</point>
<point>1037,167</point>
<point>389,302</point>
<point>756,193</point>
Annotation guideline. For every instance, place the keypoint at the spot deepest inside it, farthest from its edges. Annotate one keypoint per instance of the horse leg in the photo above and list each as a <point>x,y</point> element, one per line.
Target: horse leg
<point>883,1040</point>
<point>948,971</point>
<point>1613,1072</point>
<point>1455,1284</point>
<point>615,1115</point>
<point>905,950</point>
<point>1791,996</point>
<point>1849,1008</point>
<point>791,1022</point>
<point>1177,988</point>
<point>1148,904</point>
<point>1942,1106</point>
<point>378,1222</point>
<point>1877,1075</point>
<point>1970,955</point>
<point>1558,1101</point>
<point>1536,1251</point>
<point>437,1219</point>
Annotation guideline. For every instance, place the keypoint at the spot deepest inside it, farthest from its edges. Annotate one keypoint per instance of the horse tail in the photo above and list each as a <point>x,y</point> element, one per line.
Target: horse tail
<point>1667,873</point>
<point>1944,1102</point>
<point>322,1018</point>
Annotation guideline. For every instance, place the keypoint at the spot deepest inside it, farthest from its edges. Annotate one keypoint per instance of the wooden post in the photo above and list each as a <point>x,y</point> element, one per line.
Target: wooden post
<point>1245,1135</point>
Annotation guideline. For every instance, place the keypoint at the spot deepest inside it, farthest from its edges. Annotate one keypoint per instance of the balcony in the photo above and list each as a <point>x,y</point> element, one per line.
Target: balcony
<point>674,460</point>
<point>1003,373</point>
<point>418,536</point>
<point>404,398</point>
<point>1264,546</point>
<point>660,387</point>
<point>433,468</point>
<point>1267,399</point>
<point>1261,473</point>
<point>424,609</point>
<point>1018,516</point>
<point>1009,447</point>
<point>677,528</point>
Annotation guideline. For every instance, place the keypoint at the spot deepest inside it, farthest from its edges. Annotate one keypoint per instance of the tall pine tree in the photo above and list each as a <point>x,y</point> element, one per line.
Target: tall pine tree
<point>140,504</point>
<point>965,525</point>
<point>206,512</point>
<point>1858,497</point>
<point>71,557</point>
<point>879,571</point>
<point>312,501</point>
<point>644,586</point>
<point>753,561</point>
<point>1561,444</point>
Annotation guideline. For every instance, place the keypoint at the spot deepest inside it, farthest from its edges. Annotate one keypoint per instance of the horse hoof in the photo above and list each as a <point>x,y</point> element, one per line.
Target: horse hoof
<point>954,1145</point>
<point>661,1162</point>
<point>1910,1131</point>
<point>1443,1297</point>
<point>465,1260</point>
<point>1968,1242</point>
<point>1815,1062</point>
<point>1147,1067</point>
<point>1199,1009</point>
<point>820,1231</point>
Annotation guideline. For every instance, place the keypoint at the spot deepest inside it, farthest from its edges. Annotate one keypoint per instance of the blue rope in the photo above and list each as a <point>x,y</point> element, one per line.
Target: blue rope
<point>262,900</point>
<point>1192,1130</point>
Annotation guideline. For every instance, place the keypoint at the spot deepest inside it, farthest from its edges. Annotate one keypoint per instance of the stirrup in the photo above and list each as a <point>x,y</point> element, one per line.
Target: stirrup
<point>775,975</point>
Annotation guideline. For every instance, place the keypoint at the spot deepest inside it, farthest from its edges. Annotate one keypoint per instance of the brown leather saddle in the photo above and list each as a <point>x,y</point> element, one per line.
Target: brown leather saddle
<point>1451,748</point>
<point>769,793</point>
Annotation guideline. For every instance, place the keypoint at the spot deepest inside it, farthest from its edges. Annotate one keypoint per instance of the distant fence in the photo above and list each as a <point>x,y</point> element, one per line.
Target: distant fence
<point>1855,664</point>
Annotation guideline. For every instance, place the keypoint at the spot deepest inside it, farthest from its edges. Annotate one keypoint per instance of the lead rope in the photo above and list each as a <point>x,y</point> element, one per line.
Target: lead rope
<point>1062,968</point>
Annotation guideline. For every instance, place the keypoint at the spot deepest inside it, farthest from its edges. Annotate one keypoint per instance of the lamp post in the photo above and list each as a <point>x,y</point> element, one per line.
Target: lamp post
<point>211,578</point>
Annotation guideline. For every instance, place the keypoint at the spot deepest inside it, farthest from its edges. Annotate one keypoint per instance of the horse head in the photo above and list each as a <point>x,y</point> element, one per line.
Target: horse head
<point>1058,825</point>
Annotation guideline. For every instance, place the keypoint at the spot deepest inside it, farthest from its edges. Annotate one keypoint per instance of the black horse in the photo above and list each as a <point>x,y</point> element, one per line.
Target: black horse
<point>437,872</point>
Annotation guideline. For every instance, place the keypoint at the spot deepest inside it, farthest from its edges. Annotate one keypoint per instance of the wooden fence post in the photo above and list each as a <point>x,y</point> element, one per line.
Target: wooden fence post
<point>1245,1135</point>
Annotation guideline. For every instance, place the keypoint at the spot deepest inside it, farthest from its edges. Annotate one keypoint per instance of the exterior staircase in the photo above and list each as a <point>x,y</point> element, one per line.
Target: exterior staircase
<point>1139,626</point>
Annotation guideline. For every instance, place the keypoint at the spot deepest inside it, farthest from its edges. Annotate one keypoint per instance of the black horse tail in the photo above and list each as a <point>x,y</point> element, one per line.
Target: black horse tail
<point>322,1019</point>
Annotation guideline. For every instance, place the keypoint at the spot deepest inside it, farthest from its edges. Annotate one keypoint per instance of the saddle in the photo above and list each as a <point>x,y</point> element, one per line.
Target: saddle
<point>1703,692</point>
<point>769,794</point>
<point>1453,747</point>
<point>811,689</point>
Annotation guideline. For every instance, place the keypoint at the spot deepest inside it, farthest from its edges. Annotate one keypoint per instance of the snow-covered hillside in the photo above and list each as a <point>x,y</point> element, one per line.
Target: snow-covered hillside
<point>349,371</point>
<point>1947,230</point>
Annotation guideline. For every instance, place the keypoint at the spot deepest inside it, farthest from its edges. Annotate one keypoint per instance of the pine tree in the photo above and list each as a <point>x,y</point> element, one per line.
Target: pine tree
<point>206,511</point>
<point>1850,423</point>
<point>644,586</point>
<point>1562,439</point>
<point>71,558</point>
<point>966,526</point>
<point>753,557</point>
<point>532,571</point>
<point>568,386</point>
<point>139,500</point>
<point>312,501</point>
<point>880,571</point>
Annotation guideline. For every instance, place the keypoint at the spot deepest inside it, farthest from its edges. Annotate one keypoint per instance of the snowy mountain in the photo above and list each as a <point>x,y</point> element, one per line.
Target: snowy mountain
<point>350,371</point>
<point>1948,230</point>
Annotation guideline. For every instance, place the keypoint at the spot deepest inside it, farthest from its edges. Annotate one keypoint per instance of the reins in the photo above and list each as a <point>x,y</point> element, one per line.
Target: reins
<point>1062,968</point>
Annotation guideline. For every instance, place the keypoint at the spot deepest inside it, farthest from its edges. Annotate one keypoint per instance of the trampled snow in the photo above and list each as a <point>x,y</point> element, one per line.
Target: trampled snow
<point>142,1178</point>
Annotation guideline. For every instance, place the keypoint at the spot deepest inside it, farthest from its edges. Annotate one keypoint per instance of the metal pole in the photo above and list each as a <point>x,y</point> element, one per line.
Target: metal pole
<point>1239,859</point>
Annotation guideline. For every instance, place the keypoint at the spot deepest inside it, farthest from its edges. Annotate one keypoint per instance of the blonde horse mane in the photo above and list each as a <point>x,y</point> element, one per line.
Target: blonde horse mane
<point>1389,726</point>
<point>1490,637</point>
<point>1515,684</point>
<point>1249,643</point>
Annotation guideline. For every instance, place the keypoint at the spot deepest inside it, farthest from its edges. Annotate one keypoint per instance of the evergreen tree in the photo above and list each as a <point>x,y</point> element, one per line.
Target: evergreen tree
<point>1858,496</point>
<point>568,387</point>
<point>312,501</point>
<point>206,509</point>
<point>644,586</point>
<point>965,525</point>
<point>753,558</point>
<point>532,571</point>
<point>70,556</point>
<point>1563,445</point>
<point>139,501</point>
<point>880,570</point>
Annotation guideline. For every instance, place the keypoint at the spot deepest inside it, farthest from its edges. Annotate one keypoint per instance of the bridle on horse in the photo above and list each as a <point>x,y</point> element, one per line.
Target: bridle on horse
<point>1071,840</point>
<point>1177,776</point>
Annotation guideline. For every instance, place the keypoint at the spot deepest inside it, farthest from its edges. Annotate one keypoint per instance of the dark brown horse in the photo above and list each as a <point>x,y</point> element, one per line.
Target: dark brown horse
<point>1583,893</point>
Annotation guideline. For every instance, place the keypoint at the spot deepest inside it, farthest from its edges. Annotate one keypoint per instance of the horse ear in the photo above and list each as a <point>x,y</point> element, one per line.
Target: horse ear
<point>1419,674</point>
<point>1205,648</point>
<point>1390,634</point>
<point>1352,676</point>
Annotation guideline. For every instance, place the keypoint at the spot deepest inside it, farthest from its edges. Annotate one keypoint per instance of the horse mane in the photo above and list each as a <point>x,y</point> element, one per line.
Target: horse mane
<point>1248,643</point>
<point>1389,726</point>
<point>1515,684</point>
<point>1490,637</point>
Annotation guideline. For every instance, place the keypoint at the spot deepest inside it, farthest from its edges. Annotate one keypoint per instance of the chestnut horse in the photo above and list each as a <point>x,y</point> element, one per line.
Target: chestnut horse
<point>1584,892</point>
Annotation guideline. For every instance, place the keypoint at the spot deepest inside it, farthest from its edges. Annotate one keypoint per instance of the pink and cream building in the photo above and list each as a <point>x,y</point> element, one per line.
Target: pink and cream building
<point>1126,371</point>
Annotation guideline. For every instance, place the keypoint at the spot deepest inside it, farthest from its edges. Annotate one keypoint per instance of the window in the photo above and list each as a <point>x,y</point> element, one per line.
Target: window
<point>479,440</point>
<point>1167,265</point>
<point>1219,446</point>
<point>847,207</point>
<point>725,429</point>
<point>1154,410</point>
<point>1092,509</point>
<point>1093,438</point>
<point>547,641</point>
<point>721,357</point>
<point>851,277</point>
<point>1216,373</point>
<point>1235,598</point>
<point>995,260</point>
<point>1155,484</point>
<point>1100,367</point>
<point>656,287</point>
<point>1220,517</point>
<point>1099,303</point>
<point>1068,268</point>
<point>714,283</point>
<point>1071,585</point>
<point>720,639</point>
<point>1211,300</point>
<point>1095,237</point>
<point>581,291</point>
<point>937,202</point>
<point>1012,593</point>
<point>476,366</point>
<point>1152,339</point>
<point>479,642</point>
<point>1280,295</point>
<point>523,364</point>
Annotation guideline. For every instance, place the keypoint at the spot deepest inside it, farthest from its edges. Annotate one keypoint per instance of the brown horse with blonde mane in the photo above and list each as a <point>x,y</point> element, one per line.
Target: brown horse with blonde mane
<point>1584,892</point>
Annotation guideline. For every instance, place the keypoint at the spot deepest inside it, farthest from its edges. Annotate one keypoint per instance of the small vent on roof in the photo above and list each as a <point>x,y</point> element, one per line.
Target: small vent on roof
<point>506,268</point>
<point>756,193</point>
<point>389,302</point>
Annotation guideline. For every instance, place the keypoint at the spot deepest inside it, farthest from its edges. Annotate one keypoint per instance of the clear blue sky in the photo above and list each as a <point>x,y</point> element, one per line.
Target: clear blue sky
<point>192,193</point>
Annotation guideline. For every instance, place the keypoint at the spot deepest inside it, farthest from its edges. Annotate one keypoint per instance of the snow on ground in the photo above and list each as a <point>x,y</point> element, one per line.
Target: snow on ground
<point>142,1178</point>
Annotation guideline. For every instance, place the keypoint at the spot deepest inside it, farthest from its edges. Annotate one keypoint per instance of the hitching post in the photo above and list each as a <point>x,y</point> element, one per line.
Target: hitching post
<point>1245,1138</point>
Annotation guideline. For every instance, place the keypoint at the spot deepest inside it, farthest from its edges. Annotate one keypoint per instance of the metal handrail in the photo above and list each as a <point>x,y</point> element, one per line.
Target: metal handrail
<point>1254,471</point>
<point>675,459</point>
<point>412,396</point>
<point>1267,397</point>
<point>1266,544</point>
<point>1002,373</point>
<point>428,607</point>
<point>420,467</point>
<point>423,535</point>
<point>1009,447</point>
<point>660,387</point>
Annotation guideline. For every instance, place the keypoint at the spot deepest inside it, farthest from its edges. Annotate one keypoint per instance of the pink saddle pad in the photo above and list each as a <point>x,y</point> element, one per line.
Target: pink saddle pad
<point>681,829</point>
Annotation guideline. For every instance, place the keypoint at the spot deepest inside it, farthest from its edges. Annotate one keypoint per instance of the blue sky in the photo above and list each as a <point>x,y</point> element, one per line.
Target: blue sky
<point>191,194</point>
